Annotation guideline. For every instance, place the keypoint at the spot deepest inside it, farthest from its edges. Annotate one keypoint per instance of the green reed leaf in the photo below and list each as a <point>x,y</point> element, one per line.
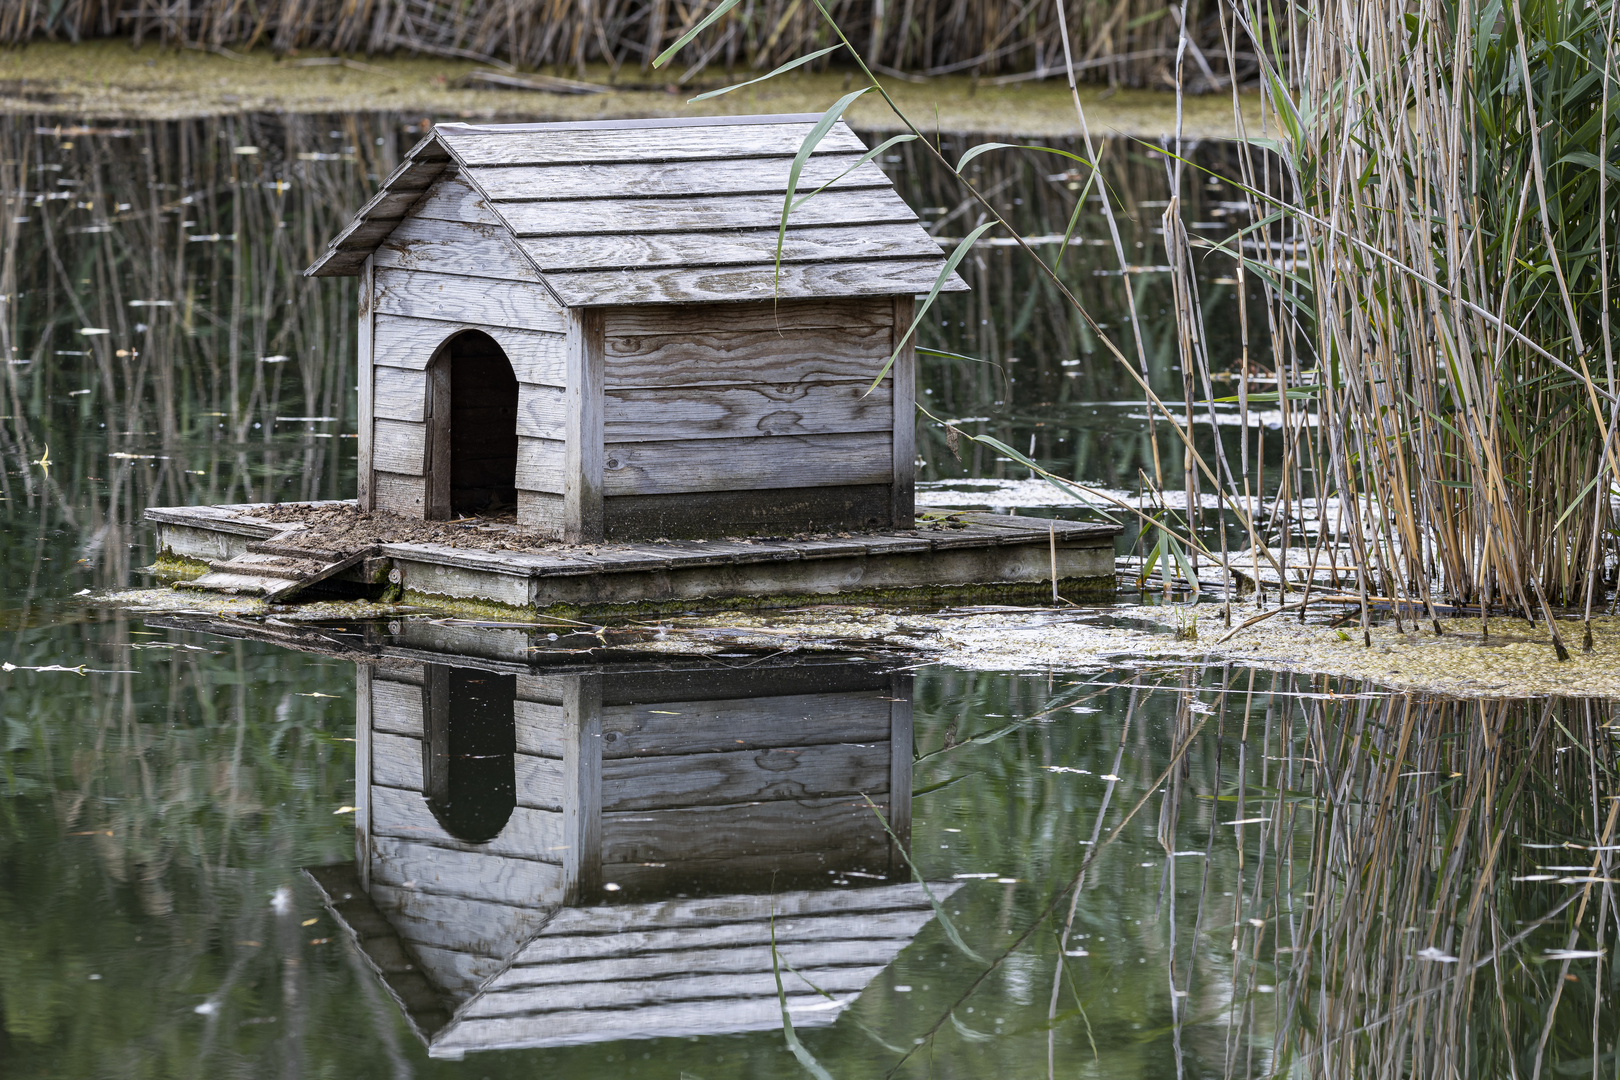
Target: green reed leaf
<point>708,20</point>
<point>806,148</point>
<point>945,273</point>
<point>789,66</point>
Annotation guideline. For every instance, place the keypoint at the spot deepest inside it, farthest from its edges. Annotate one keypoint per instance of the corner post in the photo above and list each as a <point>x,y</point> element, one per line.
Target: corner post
<point>362,773</point>
<point>582,788</point>
<point>900,765</point>
<point>583,452</point>
<point>903,377</point>
<point>365,491</point>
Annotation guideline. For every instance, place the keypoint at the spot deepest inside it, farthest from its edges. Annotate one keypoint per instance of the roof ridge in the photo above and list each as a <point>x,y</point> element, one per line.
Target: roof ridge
<point>646,122</point>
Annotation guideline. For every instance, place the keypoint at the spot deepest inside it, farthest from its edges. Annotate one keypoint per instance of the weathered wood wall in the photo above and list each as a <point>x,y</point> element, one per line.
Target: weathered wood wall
<point>450,267</point>
<point>750,417</point>
<point>636,422</point>
<point>656,783</point>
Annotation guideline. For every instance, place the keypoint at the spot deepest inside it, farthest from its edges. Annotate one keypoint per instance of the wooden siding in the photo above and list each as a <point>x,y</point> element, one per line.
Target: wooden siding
<point>536,355</point>
<point>725,400</point>
<point>480,302</point>
<point>452,198</point>
<point>650,781</point>
<point>454,247</point>
<point>401,389</point>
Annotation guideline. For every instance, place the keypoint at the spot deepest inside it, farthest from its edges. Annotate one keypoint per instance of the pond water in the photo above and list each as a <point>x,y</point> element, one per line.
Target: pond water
<point>1184,870</point>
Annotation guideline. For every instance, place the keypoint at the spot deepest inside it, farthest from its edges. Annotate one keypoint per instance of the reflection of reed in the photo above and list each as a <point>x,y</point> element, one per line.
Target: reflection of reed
<point>1458,876</point>
<point>1034,356</point>
<point>1119,41</point>
<point>154,297</point>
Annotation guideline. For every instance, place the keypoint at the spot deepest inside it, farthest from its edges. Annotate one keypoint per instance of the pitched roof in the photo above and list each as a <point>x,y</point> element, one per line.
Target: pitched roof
<point>668,211</point>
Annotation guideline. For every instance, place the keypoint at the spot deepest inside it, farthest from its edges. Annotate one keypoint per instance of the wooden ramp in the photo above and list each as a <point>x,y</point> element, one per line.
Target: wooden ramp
<point>276,570</point>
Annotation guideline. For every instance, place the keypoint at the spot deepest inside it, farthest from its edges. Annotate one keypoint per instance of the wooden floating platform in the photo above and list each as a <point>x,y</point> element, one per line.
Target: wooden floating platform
<point>946,557</point>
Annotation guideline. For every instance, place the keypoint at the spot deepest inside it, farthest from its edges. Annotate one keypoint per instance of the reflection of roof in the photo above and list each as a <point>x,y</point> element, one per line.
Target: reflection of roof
<point>654,970</point>
<point>661,211</point>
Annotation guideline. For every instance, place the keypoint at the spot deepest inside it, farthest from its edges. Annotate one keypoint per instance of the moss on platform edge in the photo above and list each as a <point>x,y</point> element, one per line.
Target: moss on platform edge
<point>1087,589</point>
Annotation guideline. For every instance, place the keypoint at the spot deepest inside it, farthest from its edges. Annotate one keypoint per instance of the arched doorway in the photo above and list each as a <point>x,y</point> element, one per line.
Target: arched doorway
<point>474,439</point>
<point>469,768</point>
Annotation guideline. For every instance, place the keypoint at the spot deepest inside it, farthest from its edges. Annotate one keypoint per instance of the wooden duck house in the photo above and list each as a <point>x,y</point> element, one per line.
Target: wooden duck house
<point>551,858</point>
<point>587,323</point>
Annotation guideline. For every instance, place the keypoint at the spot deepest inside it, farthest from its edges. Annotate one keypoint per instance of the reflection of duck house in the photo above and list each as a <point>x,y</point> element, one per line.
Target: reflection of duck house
<point>587,321</point>
<point>499,813</point>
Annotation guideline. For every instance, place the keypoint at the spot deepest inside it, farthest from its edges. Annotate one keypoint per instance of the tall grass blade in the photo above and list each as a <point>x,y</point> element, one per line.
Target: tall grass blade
<point>789,66</point>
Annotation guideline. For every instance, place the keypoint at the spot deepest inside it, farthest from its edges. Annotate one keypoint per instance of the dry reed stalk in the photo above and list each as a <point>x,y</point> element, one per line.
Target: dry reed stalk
<point>1456,228</point>
<point>1124,42</point>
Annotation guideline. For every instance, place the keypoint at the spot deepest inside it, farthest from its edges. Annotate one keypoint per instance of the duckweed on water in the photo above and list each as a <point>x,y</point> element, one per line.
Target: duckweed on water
<point>1509,659</point>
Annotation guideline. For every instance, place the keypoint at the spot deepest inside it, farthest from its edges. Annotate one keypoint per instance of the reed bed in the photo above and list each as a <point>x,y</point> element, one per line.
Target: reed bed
<point>1430,222</point>
<point>1453,241</point>
<point>154,300</point>
<point>1122,42</point>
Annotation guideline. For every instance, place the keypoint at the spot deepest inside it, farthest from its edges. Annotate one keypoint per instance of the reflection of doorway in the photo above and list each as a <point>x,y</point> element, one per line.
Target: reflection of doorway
<point>474,439</point>
<point>468,763</point>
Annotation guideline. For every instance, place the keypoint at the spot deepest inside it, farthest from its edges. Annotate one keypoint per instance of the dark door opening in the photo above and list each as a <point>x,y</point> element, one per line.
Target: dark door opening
<point>483,426</point>
<point>469,770</point>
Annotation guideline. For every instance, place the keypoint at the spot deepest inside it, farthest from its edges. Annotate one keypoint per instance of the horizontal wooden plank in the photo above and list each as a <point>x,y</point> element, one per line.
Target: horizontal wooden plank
<point>542,728</point>
<point>399,446</point>
<point>464,926</point>
<point>740,357</point>
<point>651,179</point>
<point>654,468</point>
<point>459,973</point>
<point>541,412</point>
<point>700,213</point>
<point>477,875</point>
<point>869,855</point>
<point>675,320</point>
<point>399,393</point>
<point>773,512</point>
<point>399,494</point>
<point>481,302</point>
<point>627,994</point>
<point>700,727</point>
<point>540,782</point>
<point>557,952</point>
<point>720,141</point>
<point>705,683</point>
<point>583,926</point>
<point>710,832</point>
<point>540,465</point>
<point>536,355</point>
<point>888,277</point>
<point>694,1019</point>
<point>453,247</point>
<point>736,776</point>
<point>396,761</point>
<point>396,707</point>
<point>556,254</point>
<point>541,690</point>
<point>854,951</point>
<point>812,938</point>
<point>541,510</point>
<point>712,412</point>
<point>452,198</point>
<point>529,834</point>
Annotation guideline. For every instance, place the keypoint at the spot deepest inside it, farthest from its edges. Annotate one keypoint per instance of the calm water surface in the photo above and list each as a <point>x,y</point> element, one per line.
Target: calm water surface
<point>1151,872</point>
